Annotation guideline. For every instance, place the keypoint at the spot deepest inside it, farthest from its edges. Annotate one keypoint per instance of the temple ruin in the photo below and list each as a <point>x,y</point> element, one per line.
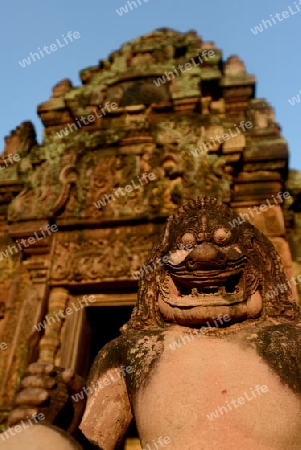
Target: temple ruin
<point>157,123</point>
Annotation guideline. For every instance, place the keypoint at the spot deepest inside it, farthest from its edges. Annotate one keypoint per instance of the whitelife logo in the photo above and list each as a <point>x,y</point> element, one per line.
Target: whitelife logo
<point>9,160</point>
<point>53,48</point>
<point>285,15</point>
<point>162,441</point>
<point>31,240</point>
<point>106,381</point>
<point>198,332</point>
<point>240,400</point>
<point>90,118</point>
<point>3,346</point>
<point>124,9</point>
<point>68,311</point>
<point>160,262</point>
<point>22,426</point>
<point>188,66</point>
<point>212,143</point>
<point>295,100</point>
<point>244,216</point>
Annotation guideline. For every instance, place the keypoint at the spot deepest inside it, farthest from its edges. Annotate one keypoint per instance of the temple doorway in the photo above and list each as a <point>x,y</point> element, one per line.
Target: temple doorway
<point>89,330</point>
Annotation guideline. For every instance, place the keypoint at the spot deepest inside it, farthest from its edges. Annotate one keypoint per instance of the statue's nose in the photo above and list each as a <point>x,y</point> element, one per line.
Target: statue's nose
<point>205,257</point>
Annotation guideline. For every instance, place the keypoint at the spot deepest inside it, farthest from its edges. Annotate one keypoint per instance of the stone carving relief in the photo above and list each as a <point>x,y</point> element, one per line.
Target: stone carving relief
<point>181,175</point>
<point>19,334</point>
<point>101,255</point>
<point>47,179</point>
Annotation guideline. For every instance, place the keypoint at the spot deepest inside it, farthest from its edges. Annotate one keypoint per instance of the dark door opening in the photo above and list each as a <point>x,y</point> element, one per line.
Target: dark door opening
<point>103,324</point>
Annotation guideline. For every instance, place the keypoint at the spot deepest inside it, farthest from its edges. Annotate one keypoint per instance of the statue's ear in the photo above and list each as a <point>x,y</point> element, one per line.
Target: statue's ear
<point>270,271</point>
<point>249,239</point>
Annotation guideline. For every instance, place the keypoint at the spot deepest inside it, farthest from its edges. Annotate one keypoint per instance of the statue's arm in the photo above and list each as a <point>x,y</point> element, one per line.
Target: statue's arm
<point>108,411</point>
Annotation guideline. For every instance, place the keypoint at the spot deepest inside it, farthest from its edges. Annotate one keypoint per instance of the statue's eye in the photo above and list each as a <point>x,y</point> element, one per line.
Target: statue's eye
<point>222,236</point>
<point>188,239</point>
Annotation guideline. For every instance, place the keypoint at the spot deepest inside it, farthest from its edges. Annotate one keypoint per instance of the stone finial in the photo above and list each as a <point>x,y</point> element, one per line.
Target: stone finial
<point>61,88</point>
<point>23,138</point>
<point>234,66</point>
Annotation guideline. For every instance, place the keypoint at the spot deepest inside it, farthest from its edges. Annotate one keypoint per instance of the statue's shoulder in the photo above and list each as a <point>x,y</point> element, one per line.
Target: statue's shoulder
<point>280,347</point>
<point>107,358</point>
<point>124,348</point>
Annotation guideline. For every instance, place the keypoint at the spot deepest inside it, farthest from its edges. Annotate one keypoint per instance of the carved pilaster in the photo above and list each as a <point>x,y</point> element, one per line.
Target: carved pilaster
<point>50,343</point>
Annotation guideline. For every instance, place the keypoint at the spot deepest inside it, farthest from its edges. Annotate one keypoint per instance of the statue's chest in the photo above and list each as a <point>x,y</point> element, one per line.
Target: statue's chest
<point>212,390</point>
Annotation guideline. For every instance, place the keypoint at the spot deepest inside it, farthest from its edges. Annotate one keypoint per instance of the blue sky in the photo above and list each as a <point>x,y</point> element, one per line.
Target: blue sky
<point>272,55</point>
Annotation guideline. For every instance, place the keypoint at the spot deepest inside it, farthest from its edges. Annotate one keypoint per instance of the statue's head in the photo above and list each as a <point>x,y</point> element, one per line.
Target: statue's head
<point>208,265</point>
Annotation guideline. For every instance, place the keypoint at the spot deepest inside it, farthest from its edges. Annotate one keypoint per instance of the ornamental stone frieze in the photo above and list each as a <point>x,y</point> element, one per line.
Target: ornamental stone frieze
<point>101,255</point>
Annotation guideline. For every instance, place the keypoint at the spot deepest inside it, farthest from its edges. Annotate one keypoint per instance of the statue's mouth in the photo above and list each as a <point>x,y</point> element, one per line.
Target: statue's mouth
<point>183,289</point>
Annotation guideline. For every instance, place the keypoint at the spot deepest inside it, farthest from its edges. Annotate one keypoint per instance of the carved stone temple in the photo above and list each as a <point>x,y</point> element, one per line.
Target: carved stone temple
<point>171,134</point>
